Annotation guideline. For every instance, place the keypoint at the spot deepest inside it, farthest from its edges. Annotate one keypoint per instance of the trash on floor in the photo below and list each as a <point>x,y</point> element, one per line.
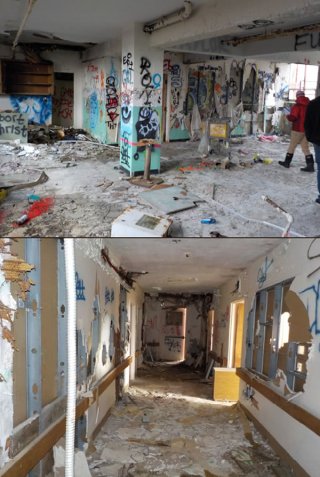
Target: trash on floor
<point>170,200</point>
<point>136,223</point>
<point>15,182</point>
<point>38,208</point>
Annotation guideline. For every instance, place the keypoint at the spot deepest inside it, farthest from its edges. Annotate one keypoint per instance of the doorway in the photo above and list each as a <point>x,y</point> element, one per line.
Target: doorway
<point>174,340</point>
<point>63,100</point>
<point>236,334</point>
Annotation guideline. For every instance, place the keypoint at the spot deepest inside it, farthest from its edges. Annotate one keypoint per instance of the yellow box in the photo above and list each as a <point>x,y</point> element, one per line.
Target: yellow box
<point>226,385</point>
<point>219,130</point>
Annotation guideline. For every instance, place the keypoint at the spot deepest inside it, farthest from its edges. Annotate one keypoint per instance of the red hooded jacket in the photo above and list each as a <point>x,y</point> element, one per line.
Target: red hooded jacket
<point>298,113</point>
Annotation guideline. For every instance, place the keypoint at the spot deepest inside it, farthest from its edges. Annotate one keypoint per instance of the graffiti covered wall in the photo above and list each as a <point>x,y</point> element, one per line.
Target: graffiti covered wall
<point>37,108</point>
<point>62,103</point>
<point>141,110</point>
<point>101,97</point>
<point>177,74</point>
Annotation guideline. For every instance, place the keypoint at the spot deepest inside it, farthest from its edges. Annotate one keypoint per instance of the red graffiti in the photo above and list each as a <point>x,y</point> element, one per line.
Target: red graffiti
<point>92,68</point>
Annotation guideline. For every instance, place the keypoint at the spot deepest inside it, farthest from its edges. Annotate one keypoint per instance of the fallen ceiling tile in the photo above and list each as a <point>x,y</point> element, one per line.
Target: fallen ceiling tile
<point>171,199</point>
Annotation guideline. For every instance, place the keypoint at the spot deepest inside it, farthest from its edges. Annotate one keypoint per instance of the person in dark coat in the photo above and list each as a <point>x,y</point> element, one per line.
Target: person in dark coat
<point>297,117</point>
<point>312,130</point>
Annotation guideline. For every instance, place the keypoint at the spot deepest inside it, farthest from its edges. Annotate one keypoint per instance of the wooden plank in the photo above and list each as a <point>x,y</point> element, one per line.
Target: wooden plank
<point>297,412</point>
<point>27,459</point>
<point>30,89</point>
<point>30,78</point>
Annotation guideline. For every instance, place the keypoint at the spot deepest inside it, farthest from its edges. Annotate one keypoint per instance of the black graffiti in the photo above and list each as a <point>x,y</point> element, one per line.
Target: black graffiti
<point>112,102</point>
<point>125,114</point>
<point>13,124</point>
<point>146,80</point>
<point>127,61</point>
<point>307,40</point>
<point>125,149</point>
<point>147,126</point>
<point>127,72</point>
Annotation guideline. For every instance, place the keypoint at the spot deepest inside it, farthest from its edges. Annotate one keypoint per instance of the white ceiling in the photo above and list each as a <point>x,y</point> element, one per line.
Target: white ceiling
<point>187,265</point>
<point>84,21</point>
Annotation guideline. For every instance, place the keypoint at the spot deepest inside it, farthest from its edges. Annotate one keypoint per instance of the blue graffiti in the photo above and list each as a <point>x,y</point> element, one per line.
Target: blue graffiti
<point>114,74</point>
<point>80,288</point>
<point>94,110</point>
<point>263,271</point>
<point>108,296</point>
<point>37,108</point>
<point>315,327</point>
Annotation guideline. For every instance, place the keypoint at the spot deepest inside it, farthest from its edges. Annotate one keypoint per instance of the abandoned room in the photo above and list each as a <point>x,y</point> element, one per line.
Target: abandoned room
<point>171,118</point>
<point>181,357</point>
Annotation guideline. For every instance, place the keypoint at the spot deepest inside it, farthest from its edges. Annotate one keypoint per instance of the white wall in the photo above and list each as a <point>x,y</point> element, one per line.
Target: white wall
<point>289,260</point>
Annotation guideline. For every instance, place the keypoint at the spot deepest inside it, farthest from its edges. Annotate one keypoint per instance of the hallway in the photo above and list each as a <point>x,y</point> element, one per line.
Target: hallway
<point>167,425</point>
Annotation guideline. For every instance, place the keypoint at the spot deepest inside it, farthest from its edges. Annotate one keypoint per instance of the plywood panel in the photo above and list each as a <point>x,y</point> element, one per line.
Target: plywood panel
<point>226,384</point>
<point>19,357</point>
<point>49,320</point>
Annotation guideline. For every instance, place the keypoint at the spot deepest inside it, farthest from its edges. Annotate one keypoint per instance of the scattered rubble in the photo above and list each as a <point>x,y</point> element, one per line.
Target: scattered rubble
<point>185,435</point>
<point>89,197</point>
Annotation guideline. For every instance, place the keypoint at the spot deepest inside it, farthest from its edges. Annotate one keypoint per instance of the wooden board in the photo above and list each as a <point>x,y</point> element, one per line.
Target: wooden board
<point>226,384</point>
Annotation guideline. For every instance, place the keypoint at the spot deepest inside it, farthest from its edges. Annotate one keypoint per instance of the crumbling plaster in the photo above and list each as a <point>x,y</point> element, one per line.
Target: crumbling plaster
<point>289,260</point>
<point>6,366</point>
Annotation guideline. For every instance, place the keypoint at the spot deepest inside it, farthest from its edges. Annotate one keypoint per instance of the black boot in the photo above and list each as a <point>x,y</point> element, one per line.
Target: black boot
<point>310,164</point>
<point>287,161</point>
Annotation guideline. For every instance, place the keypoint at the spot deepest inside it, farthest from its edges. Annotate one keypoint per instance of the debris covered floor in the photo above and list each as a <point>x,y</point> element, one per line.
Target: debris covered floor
<point>90,191</point>
<point>166,425</point>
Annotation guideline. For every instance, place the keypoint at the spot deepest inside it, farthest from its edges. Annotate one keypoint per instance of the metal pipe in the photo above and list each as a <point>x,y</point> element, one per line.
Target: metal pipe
<point>175,17</point>
<point>147,164</point>
<point>284,212</point>
<point>72,356</point>
<point>22,24</point>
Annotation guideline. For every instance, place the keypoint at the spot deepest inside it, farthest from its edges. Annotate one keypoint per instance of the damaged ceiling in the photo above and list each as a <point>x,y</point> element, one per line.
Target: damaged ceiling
<point>77,21</point>
<point>189,266</point>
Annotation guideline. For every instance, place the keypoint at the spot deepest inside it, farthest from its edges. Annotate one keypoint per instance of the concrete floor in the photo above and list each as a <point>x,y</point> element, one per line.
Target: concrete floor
<point>84,207</point>
<point>184,434</point>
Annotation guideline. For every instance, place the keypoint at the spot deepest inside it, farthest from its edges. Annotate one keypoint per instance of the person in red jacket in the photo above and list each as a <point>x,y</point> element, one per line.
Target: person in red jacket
<point>297,117</point>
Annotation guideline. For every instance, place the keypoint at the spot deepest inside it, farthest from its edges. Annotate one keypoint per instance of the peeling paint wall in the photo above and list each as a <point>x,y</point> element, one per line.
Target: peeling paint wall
<point>289,260</point>
<point>12,276</point>
<point>98,306</point>
<point>101,98</point>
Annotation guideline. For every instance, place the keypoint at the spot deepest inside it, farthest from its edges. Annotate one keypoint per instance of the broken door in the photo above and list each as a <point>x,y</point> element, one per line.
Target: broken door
<point>174,336</point>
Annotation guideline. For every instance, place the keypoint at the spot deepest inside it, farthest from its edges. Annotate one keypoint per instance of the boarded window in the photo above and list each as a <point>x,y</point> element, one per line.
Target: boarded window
<point>18,77</point>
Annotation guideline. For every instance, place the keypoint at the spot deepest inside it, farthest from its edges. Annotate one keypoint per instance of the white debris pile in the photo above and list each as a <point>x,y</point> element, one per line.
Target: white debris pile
<point>182,436</point>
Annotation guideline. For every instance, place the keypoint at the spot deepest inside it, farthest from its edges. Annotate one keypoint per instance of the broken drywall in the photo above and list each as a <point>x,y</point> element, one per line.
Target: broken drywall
<point>8,308</point>
<point>98,307</point>
<point>288,260</point>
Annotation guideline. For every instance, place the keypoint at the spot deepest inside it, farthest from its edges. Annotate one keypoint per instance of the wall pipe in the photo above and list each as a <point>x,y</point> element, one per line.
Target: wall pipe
<point>72,357</point>
<point>175,17</point>
<point>22,24</point>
